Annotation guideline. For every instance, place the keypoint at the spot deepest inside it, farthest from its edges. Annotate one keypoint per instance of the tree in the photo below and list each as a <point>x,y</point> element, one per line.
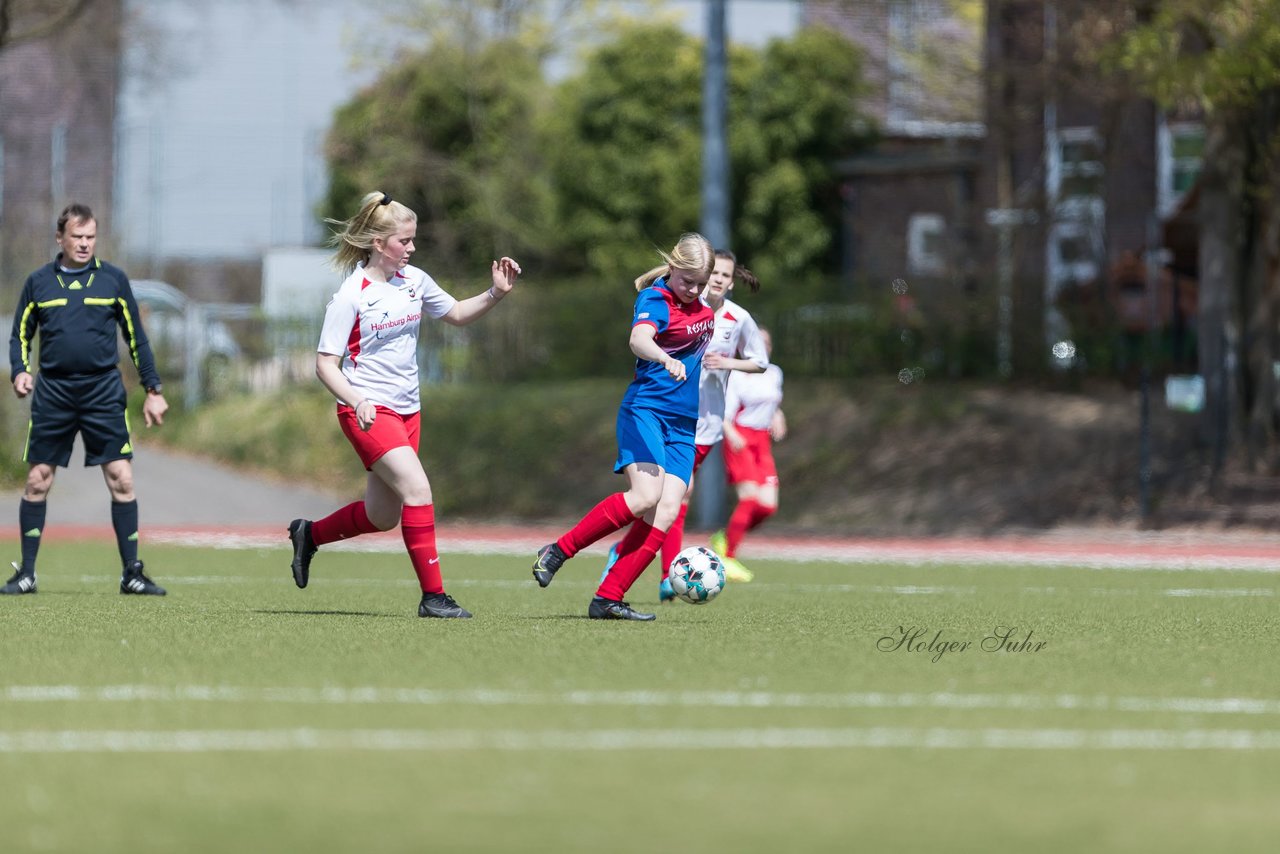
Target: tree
<point>797,115</point>
<point>31,20</point>
<point>628,154</point>
<point>1223,56</point>
<point>452,133</point>
<point>626,164</point>
<point>594,173</point>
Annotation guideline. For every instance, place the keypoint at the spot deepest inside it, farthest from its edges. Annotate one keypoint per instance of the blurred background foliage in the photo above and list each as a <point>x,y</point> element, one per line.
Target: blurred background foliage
<point>585,177</point>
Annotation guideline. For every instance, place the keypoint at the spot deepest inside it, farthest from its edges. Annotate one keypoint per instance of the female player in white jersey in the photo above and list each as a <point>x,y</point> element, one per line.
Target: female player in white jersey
<point>367,359</point>
<point>752,421</point>
<point>735,345</point>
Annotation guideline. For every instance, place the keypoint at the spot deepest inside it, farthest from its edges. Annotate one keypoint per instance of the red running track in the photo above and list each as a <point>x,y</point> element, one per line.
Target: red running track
<point>1188,550</point>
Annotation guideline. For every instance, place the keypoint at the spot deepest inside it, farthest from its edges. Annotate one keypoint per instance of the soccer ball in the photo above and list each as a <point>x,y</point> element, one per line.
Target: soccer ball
<point>697,575</point>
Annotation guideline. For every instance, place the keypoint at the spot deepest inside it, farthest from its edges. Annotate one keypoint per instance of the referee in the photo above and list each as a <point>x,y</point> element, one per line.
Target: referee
<point>77,302</point>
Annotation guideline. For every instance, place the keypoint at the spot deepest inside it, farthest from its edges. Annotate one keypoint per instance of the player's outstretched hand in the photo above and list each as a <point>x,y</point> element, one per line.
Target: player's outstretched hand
<point>505,271</point>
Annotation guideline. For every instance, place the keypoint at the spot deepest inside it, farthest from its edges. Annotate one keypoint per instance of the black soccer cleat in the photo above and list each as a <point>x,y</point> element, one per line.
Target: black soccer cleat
<point>549,561</point>
<point>611,609</point>
<point>135,582</point>
<point>22,582</point>
<point>303,548</point>
<point>441,605</point>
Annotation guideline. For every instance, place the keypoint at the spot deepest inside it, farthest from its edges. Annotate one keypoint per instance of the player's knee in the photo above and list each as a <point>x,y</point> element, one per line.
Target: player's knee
<point>121,486</point>
<point>665,516</point>
<point>641,502</point>
<point>417,496</point>
<point>39,482</point>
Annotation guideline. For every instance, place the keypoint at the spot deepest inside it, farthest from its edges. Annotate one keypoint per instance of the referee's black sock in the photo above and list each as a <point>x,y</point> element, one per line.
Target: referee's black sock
<point>31,521</point>
<point>124,519</point>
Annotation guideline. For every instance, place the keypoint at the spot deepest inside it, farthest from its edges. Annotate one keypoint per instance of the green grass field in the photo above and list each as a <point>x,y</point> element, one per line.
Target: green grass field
<point>240,713</point>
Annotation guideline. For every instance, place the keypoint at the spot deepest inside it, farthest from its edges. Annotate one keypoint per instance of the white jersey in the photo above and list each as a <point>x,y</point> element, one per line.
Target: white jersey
<point>751,399</point>
<point>373,326</point>
<point>737,336</point>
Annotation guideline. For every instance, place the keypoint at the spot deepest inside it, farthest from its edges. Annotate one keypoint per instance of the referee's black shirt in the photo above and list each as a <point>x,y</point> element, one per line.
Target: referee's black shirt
<point>77,315</point>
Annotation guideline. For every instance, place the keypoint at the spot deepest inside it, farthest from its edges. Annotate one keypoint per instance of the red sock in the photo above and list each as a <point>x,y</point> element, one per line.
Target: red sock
<point>630,564</point>
<point>418,527</point>
<point>674,542</point>
<point>350,521</point>
<point>739,522</point>
<point>762,512</point>
<point>634,538</point>
<point>603,519</point>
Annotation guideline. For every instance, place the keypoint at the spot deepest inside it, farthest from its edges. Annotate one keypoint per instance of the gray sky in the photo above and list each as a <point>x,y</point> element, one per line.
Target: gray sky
<point>220,155</point>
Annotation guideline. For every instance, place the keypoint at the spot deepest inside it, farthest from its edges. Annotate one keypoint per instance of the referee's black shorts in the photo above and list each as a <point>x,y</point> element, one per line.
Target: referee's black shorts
<point>94,406</point>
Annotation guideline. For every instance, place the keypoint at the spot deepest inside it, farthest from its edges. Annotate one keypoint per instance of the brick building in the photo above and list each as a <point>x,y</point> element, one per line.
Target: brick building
<point>1031,198</point>
<point>909,204</point>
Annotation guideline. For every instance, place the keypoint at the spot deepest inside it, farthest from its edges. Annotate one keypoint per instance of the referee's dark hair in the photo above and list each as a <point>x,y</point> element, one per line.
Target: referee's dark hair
<point>74,211</point>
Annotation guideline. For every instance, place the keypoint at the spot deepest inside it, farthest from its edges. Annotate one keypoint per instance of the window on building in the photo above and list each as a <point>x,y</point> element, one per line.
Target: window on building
<point>1179,154</point>
<point>1076,166</point>
<point>905,92</point>
<point>926,244</point>
<point>1073,254</point>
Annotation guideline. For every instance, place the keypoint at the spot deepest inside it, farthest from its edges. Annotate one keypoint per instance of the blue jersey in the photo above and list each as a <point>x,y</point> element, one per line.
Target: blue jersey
<point>683,332</point>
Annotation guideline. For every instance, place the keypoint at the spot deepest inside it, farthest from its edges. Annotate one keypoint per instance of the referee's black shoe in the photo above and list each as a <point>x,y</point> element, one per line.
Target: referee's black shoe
<point>549,561</point>
<point>303,548</point>
<point>441,605</point>
<point>612,609</point>
<point>135,582</point>
<point>22,582</point>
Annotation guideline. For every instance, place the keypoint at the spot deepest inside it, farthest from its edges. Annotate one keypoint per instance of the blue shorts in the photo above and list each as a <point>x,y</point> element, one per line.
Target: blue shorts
<point>645,436</point>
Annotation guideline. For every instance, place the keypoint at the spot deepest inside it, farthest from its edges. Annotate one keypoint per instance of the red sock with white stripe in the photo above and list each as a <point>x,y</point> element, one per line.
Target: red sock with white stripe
<point>602,520</point>
<point>631,564</point>
<point>674,542</point>
<point>418,527</point>
<point>349,521</point>
<point>739,523</point>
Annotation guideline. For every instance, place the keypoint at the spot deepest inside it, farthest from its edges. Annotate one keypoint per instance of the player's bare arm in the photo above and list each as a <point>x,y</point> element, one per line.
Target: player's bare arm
<point>720,362</point>
<point>329,372</point>
<point>504,274</point>
<point>643,345</point>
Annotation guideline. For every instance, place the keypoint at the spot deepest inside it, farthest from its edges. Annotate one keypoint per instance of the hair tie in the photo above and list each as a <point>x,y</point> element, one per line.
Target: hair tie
<point>386,200</point>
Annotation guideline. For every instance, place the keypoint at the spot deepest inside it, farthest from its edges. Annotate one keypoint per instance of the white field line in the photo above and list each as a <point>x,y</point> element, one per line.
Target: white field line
<point>758,586</point>
<point>399,740</point>
<point>660,699</point>
<point>854,553</point>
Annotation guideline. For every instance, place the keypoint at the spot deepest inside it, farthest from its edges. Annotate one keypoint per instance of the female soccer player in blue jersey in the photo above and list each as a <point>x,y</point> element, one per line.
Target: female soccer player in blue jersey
<point>670,329</point>
<point>736,346</point>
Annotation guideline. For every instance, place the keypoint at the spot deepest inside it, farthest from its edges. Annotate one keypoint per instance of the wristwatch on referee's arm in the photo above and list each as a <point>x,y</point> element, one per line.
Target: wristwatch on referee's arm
<point>158,388</point>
